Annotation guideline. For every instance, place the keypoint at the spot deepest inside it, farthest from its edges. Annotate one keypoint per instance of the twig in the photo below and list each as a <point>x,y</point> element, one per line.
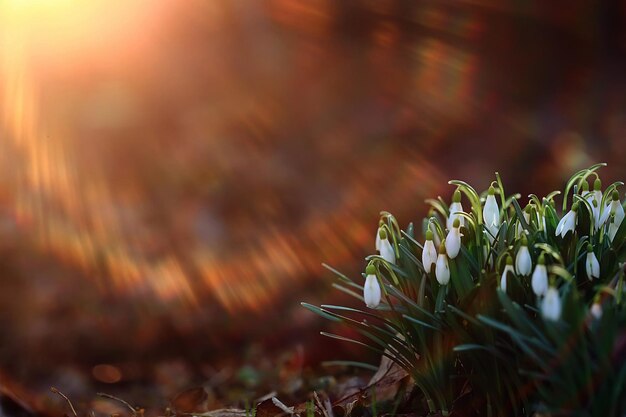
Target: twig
<point>56,391</point>
<point>324,408</point>
<point>279,404</point>
<point>113,397</point>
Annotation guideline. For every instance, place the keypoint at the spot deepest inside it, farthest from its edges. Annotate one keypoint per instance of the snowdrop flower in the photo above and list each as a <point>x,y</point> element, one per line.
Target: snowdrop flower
<point>591,264</point>
<point>596,310</point>
<point>551,305</point>
<point>568,222</point>
<point>539,280</point>
<point>455,208</point>
<point>429,253</point>
<point>508,268</point>
<point>616,209</point>
<point>371,289</point>
<point>595,198</point>
<point>442,270</point>
<point>453,240</point>
<point>386,249</point>
<point>523,262</point>
<point>491,214</point>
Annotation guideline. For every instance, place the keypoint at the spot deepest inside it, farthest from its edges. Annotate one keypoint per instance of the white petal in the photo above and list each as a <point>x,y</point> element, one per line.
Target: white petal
<point>503,278</point>
<point>592,266</point>
<point>596,310</point>
<point>567,224</point>
<point>377,240</point>
<point>455,208</point>
<point>523,262</point>
<point>442,270</point>
<point>387,252</point>
<point>491,212</point>
<point>539,280</point>
<point>371,291</point>
<point>551,305</point>
<point>453,243</point>
<point>429,255</point>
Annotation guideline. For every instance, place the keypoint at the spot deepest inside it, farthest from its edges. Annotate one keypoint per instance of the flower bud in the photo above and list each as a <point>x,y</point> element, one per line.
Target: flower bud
<point>551,305</point>
<point>371,289</point>
<point>386,249</point>
<point>455,208</point>
<point>429,253</point>
<point>442,270</point>
<point>596,310</point>
<point>592,266</point>
<point>491,214</point>
<point>453,240</point>
<point>523,262</point>
<point>539,280</point>
<point>507,269</point>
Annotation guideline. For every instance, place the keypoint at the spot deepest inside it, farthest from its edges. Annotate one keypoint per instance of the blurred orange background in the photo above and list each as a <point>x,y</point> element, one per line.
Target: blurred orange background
<point>173,173</point>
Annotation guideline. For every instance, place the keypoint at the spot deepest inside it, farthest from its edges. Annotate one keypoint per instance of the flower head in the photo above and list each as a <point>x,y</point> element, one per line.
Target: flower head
<point>386,249</point>
<point>371,289</point>
<point>442,270</point>
<point>551,305</point>
<point>539,280</point>
<point>523,262</point>
<point>429,253</point>
<point>453,240</point>
<point>491,214</point>
<point>592,266</point>
<point>455,208</point>
<point>507,269</point>
<point>596,310</point>
<point>614,212</point>
<point>568,222</point>
<point>595,198</point>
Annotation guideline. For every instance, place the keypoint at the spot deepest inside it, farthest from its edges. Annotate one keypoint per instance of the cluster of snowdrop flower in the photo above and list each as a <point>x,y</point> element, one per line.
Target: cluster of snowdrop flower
<point>521,260</point>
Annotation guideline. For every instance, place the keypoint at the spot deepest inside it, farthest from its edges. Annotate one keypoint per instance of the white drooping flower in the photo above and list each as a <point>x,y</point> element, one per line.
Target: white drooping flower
<point>539,280</point>
<point>429,253</point>
<point>615,213</point>
<point>568,222</point>
<point>491,214</point>
<point>551,305</point>
<point>455,208</point>
<point>386,249</point>
<point>523,262</point>
<point>442,270</point>
<point>453,240</point>
<point>371,289</point>
<point>592,266</point>
<point>595,199</point>
<point>508,268</point>
<point>596,310</point>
